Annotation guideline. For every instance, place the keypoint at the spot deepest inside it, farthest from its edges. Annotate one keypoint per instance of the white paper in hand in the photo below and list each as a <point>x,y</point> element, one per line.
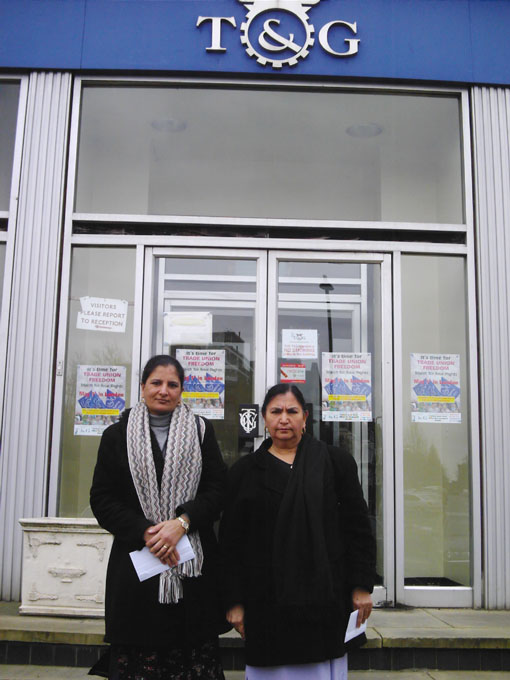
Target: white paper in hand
<point>352,631</point>
<point>148,565</point>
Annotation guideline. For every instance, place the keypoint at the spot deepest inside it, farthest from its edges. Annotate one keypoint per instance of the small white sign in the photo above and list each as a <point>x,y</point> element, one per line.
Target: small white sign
<point>293,373</point>
<point>102,314</point>
<point>187,328</point>
<point>299,343</point>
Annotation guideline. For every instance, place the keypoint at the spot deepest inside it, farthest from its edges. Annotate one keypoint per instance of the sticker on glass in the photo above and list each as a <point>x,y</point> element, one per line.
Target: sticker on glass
<point>187,328</point>
<point>204,382</point>
<point>435,388</point>
<point>293,373</point>
<point>299,343</point>
<point>102,314</point>
<point>347,387</point>
<point>100,398</point>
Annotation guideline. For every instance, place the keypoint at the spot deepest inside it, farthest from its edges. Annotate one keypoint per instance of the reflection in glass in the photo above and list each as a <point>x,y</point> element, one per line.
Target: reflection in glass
<point>101,273</point>
<point>436,455</point>
<point>2,270</point>
<point>343,324</point>
<point>269,153</point>
<point>225,290</point>
<point>9,93</point>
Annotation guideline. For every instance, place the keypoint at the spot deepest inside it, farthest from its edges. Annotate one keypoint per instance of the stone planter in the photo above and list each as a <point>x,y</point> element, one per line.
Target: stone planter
<point>64,566</point>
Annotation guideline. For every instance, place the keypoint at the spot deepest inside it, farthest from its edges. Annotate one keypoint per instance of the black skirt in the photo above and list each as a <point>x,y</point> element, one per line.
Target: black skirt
<point>129,662</point>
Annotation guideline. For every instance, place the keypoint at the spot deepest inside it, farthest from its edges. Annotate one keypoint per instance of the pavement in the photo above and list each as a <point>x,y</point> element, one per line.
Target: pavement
<point>464,630</point>
<point>68,673</point>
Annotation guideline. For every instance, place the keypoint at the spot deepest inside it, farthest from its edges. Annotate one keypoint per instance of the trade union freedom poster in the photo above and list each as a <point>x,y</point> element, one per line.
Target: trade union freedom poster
<point>204,382</point>
<point>435,388</point>
<point>347,386</point>
<point>100,398</point>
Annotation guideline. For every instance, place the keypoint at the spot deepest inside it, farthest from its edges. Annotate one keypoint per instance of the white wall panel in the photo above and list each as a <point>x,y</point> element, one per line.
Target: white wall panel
<point>491,116</point>
<point>31,336</point>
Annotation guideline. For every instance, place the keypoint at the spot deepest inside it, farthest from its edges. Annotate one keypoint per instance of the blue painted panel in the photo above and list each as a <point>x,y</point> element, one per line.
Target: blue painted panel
<point>42,34</point>
<point>445,40</point>
<point>490,41</point>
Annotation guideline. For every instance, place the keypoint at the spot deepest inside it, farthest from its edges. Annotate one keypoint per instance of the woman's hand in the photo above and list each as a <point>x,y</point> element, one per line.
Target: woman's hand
<point>362,601</point>
<point>235,616</point>
<point>161,540</point>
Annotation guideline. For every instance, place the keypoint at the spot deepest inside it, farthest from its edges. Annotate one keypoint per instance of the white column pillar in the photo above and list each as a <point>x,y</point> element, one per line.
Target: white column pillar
<point>491,116</point>
<point>33,319</point>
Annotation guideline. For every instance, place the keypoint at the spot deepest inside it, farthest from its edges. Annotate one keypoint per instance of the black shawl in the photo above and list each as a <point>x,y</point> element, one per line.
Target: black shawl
<point>303,548</point>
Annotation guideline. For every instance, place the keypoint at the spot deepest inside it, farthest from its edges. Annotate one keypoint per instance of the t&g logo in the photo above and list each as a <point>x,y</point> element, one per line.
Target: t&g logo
<point>278,32</point>
<point>277,36</point>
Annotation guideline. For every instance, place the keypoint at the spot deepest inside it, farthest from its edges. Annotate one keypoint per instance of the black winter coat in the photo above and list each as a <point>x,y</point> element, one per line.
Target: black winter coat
<point>133,613</point>
<point>256,486</point>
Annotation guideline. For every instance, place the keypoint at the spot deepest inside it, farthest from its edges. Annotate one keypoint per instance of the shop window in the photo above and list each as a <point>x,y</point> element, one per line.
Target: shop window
<point>335,155</point>
<point>436,422</point>
<point>9,94</point>
<point>2,270</point>
<point>98,370</point>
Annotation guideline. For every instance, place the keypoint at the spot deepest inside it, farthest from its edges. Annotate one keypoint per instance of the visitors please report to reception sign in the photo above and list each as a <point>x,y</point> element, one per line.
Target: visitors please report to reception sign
<point>102,314</point>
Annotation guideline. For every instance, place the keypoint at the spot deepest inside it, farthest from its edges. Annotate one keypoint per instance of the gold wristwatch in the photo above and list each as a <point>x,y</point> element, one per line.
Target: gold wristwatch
<point>184,523</point>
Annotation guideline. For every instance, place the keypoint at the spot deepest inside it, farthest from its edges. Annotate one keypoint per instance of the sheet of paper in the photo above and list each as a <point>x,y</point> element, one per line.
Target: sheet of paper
<point>148,565</point>
<point>352,631</point>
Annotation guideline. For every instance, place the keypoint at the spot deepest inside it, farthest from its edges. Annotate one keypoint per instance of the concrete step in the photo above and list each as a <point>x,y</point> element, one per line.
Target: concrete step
<point>445,639</point>
<point>70,673</point>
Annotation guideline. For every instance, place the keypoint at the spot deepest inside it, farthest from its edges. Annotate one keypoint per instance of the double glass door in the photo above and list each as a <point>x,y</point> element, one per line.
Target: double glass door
<point>378,344</point>
<point>241,321</point>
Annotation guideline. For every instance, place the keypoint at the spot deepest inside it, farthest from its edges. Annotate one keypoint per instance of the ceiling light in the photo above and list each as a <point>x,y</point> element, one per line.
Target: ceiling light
<point>364,130</point>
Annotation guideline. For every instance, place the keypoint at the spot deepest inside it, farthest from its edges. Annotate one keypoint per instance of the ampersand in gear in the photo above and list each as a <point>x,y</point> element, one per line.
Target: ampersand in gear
<point>277,42</point>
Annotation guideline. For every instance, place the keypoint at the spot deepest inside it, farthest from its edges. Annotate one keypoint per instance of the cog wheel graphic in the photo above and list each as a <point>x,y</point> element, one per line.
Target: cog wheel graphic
<point>300,13</point>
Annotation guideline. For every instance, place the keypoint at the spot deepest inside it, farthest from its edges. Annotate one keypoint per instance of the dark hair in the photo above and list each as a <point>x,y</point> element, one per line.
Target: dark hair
<point>283,388</point>
<point>162,360</point>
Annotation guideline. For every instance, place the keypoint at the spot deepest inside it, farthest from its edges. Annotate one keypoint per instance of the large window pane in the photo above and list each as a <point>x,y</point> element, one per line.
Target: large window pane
<point>97,361</point>
<point>436,448</point>
<point>312,299</point>
<point>207,306</point>
<point>9,93</point>
<point>2,270</point>
<point>270,153</point>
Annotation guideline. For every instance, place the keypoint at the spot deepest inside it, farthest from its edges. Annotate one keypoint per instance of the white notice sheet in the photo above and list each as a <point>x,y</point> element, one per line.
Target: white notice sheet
<point>352,631</point>
<point>148,565</point>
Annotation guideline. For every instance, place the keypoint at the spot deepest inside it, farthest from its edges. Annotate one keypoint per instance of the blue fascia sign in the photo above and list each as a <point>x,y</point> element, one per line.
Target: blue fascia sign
<point>434,40</point>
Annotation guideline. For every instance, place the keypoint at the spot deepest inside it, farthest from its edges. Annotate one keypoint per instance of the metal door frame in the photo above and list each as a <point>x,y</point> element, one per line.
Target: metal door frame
<point>386,593</point>
<point>153,254</point>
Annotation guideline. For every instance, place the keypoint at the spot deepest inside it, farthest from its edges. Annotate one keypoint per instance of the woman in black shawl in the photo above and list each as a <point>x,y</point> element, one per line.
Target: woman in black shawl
<point>298,550</point>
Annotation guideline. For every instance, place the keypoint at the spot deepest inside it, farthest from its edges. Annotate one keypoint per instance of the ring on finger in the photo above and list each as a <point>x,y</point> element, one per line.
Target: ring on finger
<point>165,547</point>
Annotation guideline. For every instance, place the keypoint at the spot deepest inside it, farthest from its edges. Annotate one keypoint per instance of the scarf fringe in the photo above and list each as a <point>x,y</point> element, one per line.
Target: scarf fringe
<point>170,587</point>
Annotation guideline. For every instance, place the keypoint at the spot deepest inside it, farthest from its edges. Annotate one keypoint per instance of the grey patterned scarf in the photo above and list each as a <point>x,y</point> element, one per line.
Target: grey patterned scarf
<point>179,483</point>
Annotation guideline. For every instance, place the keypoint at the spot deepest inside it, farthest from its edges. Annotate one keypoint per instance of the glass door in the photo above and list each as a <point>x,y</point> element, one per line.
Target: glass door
<point>329,331</point>
<point>241,321</point>
<point>209,310</point>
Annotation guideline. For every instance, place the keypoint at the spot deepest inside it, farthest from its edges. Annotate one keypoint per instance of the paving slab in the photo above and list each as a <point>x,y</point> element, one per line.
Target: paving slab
<point>412,618</point>
<point>441,638</point>
<point>67,673</point>
<point>390,675</point>
<point>469,675</point>
<point>472,618</point>
<point>15,627</point>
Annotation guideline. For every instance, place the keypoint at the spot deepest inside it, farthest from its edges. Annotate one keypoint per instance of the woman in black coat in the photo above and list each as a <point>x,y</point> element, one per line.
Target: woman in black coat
<point>297,548</point>
<point>160,475</point>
